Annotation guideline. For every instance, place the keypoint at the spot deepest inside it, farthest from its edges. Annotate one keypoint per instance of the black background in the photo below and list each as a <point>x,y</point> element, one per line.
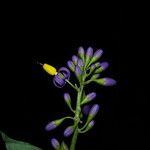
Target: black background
<point>29,100</point>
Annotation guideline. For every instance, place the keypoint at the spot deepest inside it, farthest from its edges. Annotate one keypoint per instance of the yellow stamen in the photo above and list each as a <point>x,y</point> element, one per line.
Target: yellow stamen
<point>50,69</point>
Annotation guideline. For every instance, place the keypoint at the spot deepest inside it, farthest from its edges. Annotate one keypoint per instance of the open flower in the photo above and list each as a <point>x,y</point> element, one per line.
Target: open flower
<point>59,76</point>
<point>62,75</point>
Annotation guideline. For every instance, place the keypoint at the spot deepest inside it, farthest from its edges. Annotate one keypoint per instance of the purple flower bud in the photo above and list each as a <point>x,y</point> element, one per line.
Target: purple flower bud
<point>92,123</point>
<point>71,65</point>
<point>67,97</point>
<point>75,59</point>
<point>86,109</point>
<point>89,52</point>
<point>94,110</point>
<point>106,81</point>
<point>51,126</point>
<point>98,53</point>
<point>81,51</point>
<point>91,96</point>
<point>78,71</point>
<point>104,65</point>
<point>55,143</point>
<point>109,82</point>
<point>80,63</point>
<point>68,131</point>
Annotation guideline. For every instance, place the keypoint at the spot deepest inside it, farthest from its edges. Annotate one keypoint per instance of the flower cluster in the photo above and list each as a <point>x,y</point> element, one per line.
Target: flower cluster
<point>87,69</point>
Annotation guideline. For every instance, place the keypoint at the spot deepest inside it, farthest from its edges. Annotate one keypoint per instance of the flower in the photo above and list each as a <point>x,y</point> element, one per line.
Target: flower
<point>89,98</point>
<point>106,81</point>
<point>71,65</point>
<point>68,131</point>
<point>59,77</point>
<point>62,75</point>
<point>81,53</point>
<point>55,143</point>
<point>75,59</point>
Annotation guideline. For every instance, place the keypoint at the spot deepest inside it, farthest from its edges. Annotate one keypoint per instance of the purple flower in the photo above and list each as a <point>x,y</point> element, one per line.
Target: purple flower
<point>67,97</point>
<point>75,59</point>
<point>71,65</point>
<point>78,71</point>
<point>97,55</point>
<point>81,53</point>
<point>55,143</point>
<point>68,131</point>
<point>104,65</point>
<point>80,63</point>
<point>62,75</point>
<point>89,52</point>
<point>106,81</point>
<point>51,126</point>
<point>89,98</point>
<point>94,110</point>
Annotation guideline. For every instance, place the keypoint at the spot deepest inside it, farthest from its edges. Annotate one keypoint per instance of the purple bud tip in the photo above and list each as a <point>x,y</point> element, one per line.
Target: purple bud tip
<point>75,59</point>
<point>70,64</point>
<point>68,131</point>
<point>98,53</point>
<point>50,126</point>
<point>67,97</point>
<point>92,123</point>
<point>91,96</point>
<point>94,110</point>
<point>55,143</point>
<point>78,71</point>
<point>109,82</point>
<point>86,109</point>
<point>89,52</point>
<point>80,63</point>
<point>104,65</point>
<point>81,51</point>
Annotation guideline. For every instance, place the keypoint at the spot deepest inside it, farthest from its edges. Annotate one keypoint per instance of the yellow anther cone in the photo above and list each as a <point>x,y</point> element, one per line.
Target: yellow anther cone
<point>50,69</point>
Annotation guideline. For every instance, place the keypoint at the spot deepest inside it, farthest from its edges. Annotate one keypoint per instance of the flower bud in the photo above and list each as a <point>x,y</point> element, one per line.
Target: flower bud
<point>97,55</point>
<point>67,99</point>
<point>106,81</point>
<point>75,59</point>
<point>90,125</point>
<point>68,131</point>
<point>55,143</point>
<point>78,71</point>
<point>104,66</point>
<point>54,124</point>
<point>89,98</point>
<point>94,66</point>
<point>71,65</point>
<point>93,112</point>
<point>81,53</point>
<point>89,55</point>
<point>80,64</point>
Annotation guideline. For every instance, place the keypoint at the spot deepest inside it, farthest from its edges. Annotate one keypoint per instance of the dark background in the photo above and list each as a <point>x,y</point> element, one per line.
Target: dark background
<point>29,100</point>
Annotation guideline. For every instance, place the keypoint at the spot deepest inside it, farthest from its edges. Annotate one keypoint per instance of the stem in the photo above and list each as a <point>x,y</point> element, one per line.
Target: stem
<point>77,118</point>
<point>71,84</point>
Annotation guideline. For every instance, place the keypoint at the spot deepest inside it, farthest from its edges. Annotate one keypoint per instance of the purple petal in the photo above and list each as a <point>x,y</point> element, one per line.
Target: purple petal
<point>98,53</point>
<point>65,72</point>
<point>58,81</point>
<point>91,96</point>
<point>67,97</point>
<point>81,51</point>
<point>92,123</point>
<point>80,63</point>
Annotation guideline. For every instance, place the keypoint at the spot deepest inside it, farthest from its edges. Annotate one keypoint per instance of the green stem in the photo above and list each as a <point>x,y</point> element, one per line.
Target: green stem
<point>71,84</point>
<point>77,118</point>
